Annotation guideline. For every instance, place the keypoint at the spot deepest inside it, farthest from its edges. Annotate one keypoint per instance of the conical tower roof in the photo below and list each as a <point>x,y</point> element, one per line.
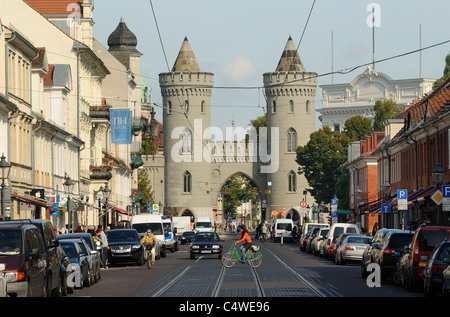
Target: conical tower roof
<point>186,61</point>
<point>290,59</point>
<point>122,38</point>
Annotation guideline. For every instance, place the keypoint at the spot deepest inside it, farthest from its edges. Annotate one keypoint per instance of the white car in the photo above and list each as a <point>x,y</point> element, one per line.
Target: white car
<point>2,281</point>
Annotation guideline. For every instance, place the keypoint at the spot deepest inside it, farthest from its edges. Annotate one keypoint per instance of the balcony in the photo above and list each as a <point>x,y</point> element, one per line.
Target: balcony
<point>99,112</point>
<point>100,172</point>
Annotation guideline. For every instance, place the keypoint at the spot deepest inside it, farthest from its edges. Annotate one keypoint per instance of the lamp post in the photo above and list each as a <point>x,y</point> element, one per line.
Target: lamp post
<point>438,175</point>
<point>6,168</point>
<point>358,192</point>
<point>68,188</point>
<point>106,194</point>
<point>132,201</point>
<point>387,193</point>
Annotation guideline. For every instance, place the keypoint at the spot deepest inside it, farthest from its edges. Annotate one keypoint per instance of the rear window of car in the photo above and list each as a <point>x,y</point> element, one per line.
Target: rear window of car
<point>119,236</point>
<point>284,226</point>
<point>429,239</point>
<point>10,242</point>
<point>398,241</point>
<point>337,231</point>
<point>362,240</point>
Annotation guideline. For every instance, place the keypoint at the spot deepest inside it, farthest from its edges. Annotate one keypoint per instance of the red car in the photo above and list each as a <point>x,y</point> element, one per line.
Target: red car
<point>425,239</point>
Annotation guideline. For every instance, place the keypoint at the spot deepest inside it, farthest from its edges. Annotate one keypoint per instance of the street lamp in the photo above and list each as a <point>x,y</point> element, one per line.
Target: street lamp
<point>106,193</point>
<point>6,168</point>
<point>68,188</point>
<point>386,189</point>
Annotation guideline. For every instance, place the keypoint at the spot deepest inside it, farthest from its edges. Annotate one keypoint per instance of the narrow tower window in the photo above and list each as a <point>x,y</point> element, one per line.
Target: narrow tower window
<point>187,182</point>
<point>169,107</point>
<point>291,140</point>
<point>186,106</point>
<point>292,181</point>
<point>274,106</point>
<point>186,141</point>
<point>307,106</point>
<point>291,106</point>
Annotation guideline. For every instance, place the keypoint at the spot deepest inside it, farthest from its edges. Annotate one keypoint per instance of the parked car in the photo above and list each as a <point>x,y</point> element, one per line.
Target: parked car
<point>125,246</point>
<point>438,262</point>
<point>425,239</point>
<point>336,242</point>
<point>206,243</point>
<point>22,251</point>
<point>66,269</point>
<point>446,280</point>
<point>351,248</point>
<point>335,230</point>
<point>92,249</point>
<point>318,242</point>
<point>311,237</point>
<point>385,250</point>
<point>303,241</point>
<point>186,237</point>
<point>52,260</point>
<point>2,281</point>
<point>79,264</point>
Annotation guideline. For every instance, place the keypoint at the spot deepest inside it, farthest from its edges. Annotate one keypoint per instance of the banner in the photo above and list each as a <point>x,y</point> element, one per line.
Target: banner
<point>121,123</point>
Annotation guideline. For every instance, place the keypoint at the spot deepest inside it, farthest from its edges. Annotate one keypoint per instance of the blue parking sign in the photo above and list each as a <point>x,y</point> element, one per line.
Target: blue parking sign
<point>334,201</point>
<point>446,191</point>
<point>402,194</point>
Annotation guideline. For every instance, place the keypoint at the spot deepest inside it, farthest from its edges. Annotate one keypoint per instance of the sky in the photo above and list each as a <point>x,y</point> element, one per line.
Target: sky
<point>240,40</point>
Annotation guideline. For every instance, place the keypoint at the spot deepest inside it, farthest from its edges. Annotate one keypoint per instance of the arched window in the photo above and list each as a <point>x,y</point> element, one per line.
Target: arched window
<point>186,106</point>
<point>202,107</point>
<point>307,106</point>
<point>291,106</point>
<point>187,182</point>
<point>274,106</point>
<point>186,141</point>
<point>292,181</point>
<point>169,107</point>
<point>291,140</point>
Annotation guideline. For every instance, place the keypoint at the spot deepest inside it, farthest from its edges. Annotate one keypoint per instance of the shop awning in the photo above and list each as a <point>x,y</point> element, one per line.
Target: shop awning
<point>114,208</point>
<point>29,200</point>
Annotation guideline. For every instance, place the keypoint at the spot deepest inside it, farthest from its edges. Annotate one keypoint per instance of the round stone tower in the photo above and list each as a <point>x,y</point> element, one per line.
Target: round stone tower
<point>290,93</point>
<point>186,93</point>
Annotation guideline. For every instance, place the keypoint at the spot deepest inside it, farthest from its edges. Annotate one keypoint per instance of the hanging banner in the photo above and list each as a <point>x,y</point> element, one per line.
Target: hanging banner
<point>121,123</point>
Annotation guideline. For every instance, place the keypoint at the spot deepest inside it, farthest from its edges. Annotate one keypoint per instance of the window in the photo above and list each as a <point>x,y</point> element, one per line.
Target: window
<point>186,141</point>
<point>337,128</point>
<point>274,106</point>
<point>291,140</point>
<point>169,107</point>
<point>291,106</point>
<point>202,107</point>
<point>292,181</point>
<point>186,106</point>
<point>307,106</point>
<point>187,182</point>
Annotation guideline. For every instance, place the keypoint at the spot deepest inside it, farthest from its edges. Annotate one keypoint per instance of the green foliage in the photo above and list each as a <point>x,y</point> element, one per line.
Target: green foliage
<point>446,75</point>
<point>236,191</point>
<point>319,162</point>
<point>342,189</point>
<point>148,146</point>
<point>145,187</point>
<point>358,128</point>
<point>384,110</point>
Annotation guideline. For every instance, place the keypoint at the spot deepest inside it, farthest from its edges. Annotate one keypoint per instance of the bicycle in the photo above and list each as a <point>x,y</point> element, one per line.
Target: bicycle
<point>253,257</point>
<point>148,255</point>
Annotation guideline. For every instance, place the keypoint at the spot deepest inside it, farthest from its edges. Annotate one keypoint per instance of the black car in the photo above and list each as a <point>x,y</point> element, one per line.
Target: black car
<point>186,237</point>
<point>22,251</point>
<point>124,246</point>
<point>206,243</point>
<point>438,262</point>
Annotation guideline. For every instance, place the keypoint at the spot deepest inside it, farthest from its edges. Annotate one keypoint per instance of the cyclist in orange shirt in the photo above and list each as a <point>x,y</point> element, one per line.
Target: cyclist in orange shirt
<point>245,237</point>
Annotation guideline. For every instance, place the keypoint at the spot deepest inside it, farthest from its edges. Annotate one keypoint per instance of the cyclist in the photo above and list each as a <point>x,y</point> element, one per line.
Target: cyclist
<point>245,237</point>
<point>149,241</point>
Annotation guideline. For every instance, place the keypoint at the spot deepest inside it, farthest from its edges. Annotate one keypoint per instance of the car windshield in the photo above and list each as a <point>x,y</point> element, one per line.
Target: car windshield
<point>155,227</point>
<point>429,239</point>
<point>69,249</point>
<point>206,236</point>
<point>203,225</point>
<point>10,242</point>
<point>167,226</point>
<point>398,241</point>
<point>361,240</point>
<point>188,234</point>
<point>119,236</point>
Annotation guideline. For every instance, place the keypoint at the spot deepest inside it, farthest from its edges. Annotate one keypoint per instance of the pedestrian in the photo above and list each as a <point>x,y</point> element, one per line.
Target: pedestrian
<point>104,241</point>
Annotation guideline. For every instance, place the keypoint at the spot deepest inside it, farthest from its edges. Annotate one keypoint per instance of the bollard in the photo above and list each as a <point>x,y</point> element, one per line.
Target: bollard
<point>281,240</point>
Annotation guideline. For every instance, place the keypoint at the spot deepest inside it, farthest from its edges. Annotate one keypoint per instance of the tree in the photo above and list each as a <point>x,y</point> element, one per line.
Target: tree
<point>438,82</point>
<point>145,187</point>
<point>358,128</point>
<point>236,191</point>
<point>319,161</point>
<point>384,110</point>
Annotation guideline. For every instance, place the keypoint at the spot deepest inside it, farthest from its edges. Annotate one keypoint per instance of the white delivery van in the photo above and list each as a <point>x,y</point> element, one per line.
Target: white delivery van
<point>203,224</point>
<point>143,222</point>
<point>282,228</point>
<point>307,227</point>
<point>171,240</point>
<point>181,224</point>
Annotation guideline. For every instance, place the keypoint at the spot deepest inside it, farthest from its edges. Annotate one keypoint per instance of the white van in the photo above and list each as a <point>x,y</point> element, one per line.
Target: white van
<point>143,222</point>
<point>338,228</point>
<point>282,228</point>
<point>310,226</point>
<point>171,240</point>
<point>203,224</point>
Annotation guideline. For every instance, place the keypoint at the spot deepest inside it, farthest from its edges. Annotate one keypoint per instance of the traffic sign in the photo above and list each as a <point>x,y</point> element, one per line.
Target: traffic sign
<point>402,199</point>
<point>385,208</point>
<point>334,201</point>
<point>303,204</point>
<point>437,197</point>
<point>402,194</point>
<point>446,191</point>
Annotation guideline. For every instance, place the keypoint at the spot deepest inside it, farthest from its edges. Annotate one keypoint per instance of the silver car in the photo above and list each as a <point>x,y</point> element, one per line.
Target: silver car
<point>317,244</point>
<point>352,248</point>
<point>2,281</point>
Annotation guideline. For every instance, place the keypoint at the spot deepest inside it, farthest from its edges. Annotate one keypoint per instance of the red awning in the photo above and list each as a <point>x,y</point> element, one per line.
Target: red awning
<point>31,201</point>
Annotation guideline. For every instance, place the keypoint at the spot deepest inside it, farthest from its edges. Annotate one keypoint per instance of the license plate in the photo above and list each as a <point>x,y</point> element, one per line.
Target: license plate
<point>122,251</point>
<point>207,251</point>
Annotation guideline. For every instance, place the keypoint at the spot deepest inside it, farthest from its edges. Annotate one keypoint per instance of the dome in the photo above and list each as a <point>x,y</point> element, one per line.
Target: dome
<point>122,38</point>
